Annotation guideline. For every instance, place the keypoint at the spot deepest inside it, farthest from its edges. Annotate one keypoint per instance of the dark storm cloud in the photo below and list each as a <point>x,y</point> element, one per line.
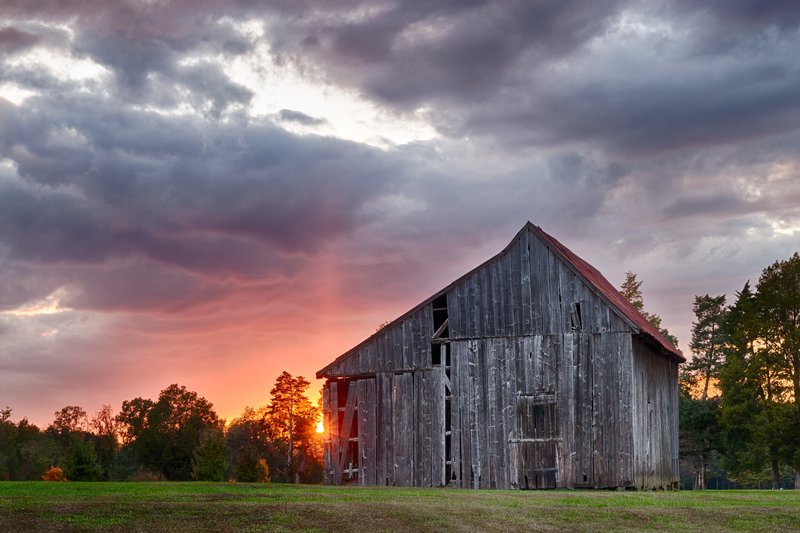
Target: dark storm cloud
<point>723,203</point>
<point>737,18</point>
<point>32,78</point>
<point>137,210</point>
<point>413,52</point>
<point>52,227</point>
<point>140,286</point>
<point>744,103</point>
<point>208,83</point>
<point>523,73</point>
<point>178,173</point>
<point>143,47</point>
<point>13,40</point>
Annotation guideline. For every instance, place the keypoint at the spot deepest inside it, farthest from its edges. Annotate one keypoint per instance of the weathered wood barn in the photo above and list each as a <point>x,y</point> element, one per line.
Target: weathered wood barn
<point>530,371</point>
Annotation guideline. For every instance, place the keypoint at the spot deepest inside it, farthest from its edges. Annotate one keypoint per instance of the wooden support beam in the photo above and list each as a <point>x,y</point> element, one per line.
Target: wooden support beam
<point>441,329</point>
<point>552,439</point>
<point>347,426</point>
<point>334,435</point>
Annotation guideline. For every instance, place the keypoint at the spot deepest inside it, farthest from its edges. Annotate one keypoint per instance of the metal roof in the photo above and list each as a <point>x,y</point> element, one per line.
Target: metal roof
<point>595,279</point>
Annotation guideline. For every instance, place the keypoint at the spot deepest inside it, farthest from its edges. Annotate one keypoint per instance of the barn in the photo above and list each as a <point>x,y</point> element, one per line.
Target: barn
<point>531,371</point>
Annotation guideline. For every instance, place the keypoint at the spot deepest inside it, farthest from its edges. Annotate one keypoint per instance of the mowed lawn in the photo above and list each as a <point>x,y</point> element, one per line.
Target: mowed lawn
<point>39,506</point>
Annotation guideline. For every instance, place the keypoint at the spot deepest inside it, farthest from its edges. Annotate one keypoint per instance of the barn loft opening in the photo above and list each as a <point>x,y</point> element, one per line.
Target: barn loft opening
<point>439,314</point>
<point>440,349</point>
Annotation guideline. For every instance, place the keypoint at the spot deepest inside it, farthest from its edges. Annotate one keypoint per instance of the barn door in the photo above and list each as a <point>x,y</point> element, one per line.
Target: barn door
<point>536,447</point>
<point>341,423</point>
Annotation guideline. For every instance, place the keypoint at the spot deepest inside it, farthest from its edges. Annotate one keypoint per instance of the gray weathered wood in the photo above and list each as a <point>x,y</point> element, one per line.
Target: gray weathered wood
<point>525,330</point>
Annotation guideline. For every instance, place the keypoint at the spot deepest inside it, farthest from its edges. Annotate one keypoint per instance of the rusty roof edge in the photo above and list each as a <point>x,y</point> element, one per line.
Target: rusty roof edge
<point>546,239</point>
<point>619,303</point>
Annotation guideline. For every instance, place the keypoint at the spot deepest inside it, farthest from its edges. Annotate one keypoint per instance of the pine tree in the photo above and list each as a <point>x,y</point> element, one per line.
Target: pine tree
<point>778,301</point>
<point>706,342</point>
<point>631,289</point>
<point>292,419</point>
<point>81,463</point>
<point>210,456</point>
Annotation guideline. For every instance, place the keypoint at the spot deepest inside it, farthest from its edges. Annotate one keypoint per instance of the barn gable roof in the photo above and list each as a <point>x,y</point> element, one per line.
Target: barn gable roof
<point>596,280</point>
<point>588,274</point>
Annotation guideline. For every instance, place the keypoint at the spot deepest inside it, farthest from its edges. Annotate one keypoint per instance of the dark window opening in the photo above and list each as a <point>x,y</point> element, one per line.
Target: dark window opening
<point>436,354</point>
<point>341,393</point>
<point>544,421</point>
<point>439,311</point>
<point>440,331</point>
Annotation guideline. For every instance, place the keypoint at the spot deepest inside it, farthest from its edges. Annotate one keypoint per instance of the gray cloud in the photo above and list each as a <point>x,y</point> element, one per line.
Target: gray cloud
<point>13,40</point>
<point>414,52</point>
<point>289,115</point>
<point>136,211</point>
<point>143,170</point>
<point>527,74</point>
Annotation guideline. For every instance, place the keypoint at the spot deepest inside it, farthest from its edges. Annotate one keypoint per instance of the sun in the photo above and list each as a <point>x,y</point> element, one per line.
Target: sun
<point>320,427</point>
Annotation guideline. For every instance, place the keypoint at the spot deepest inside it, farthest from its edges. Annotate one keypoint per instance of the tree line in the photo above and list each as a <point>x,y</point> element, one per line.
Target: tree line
<point>177,436</point>
<point>739,411</point>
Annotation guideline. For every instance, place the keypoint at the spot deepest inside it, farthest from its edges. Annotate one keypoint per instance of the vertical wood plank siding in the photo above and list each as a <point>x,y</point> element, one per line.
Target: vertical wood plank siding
<point>546,386</point>
<point>655,419</point>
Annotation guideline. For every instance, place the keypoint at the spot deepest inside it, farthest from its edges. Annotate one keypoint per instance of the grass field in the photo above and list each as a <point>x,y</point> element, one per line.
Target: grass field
<point>39,506</point>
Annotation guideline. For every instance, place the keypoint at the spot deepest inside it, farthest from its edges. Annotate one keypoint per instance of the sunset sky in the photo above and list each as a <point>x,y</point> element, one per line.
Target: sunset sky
<point>211,192</point>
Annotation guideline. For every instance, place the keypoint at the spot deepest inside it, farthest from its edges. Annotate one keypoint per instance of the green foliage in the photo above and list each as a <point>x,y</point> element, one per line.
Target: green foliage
<point>210,456</point>
<point>707,339</point>
<point>292,421</point>
<point>247,442</point>
<point>740,383</point>
<point>631,289</point>
<point>176,437</point>
<point>25,452</point>
<point>81,463</point>
<point>68,420</point>
<point>699,435</point>
<point>132,419</point>
<point>164,434</point>
<point>245,467</point>
<point>759,378</point>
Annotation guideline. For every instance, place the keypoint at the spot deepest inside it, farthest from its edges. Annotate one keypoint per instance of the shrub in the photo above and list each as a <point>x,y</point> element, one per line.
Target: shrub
<point>262,470</point>
<point>54,474</point>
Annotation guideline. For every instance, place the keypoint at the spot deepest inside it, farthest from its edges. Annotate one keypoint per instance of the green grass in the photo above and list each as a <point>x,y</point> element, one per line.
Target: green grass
<point>39,506</point>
